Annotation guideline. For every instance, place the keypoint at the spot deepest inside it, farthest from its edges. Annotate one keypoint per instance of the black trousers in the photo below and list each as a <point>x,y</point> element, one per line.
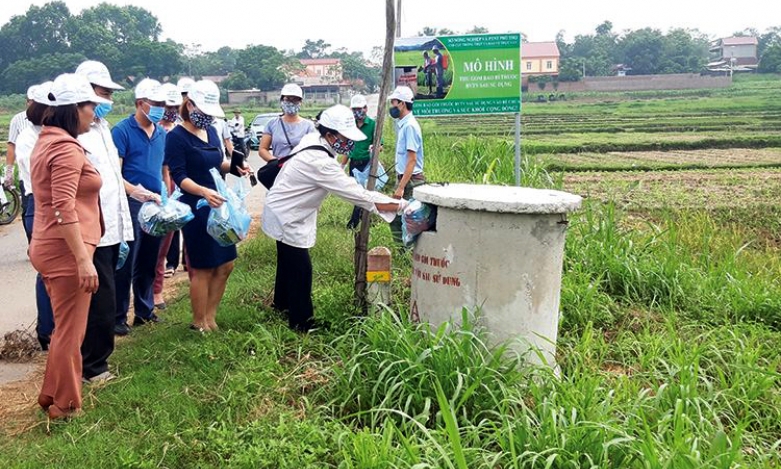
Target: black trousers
<point>138,272</point>
<point>293,286</point>
<point>99,338</point>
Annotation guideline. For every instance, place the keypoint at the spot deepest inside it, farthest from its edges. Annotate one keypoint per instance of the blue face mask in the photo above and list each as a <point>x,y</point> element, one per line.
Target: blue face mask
<point>102,110</point>
<point>155,114</point>
<point>395,112</point>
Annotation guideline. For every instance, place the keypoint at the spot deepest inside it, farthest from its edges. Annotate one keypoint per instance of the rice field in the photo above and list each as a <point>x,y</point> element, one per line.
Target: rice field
<point>670,321</point>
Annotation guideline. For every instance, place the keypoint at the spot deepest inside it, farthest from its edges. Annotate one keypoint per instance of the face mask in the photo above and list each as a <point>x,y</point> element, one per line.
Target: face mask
<point>343,147</point>
<point>102,110</point>
<point>155,114</point>
<point>395,112</point>
<point>171,115</point>
<point>290,108</point>
<point>200,120</point>
<point>359,114</point>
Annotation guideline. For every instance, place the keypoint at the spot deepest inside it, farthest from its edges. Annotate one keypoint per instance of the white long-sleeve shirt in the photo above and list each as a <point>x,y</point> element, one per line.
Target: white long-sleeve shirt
<point>103,154</point>
<point>290,211</point>
<point>25,142</point>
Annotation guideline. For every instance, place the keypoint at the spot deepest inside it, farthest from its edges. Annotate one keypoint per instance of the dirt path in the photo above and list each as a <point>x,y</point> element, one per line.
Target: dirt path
<point>20,382</point>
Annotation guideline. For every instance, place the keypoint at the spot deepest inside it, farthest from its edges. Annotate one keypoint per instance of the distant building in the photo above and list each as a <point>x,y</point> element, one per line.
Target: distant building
<point>322,80</point>
<point>540,58</point>
<point>737,54</point>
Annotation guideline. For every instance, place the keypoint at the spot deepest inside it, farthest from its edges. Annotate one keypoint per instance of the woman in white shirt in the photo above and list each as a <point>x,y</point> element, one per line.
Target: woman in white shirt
<point>290,211</point>
<point>25,143</point>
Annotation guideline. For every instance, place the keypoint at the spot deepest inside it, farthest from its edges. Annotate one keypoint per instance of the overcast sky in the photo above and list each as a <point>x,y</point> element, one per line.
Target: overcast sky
<point>360,24</point>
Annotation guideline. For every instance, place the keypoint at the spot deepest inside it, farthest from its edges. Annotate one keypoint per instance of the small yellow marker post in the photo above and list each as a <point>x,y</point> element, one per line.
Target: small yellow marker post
<point>378,278</point>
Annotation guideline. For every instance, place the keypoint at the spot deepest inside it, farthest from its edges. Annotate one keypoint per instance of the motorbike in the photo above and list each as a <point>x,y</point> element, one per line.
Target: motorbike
<point>10,205</point>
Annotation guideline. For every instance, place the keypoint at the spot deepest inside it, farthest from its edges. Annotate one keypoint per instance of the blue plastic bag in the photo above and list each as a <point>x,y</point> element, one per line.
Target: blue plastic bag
<point>170,215</point>
<point>363,176</point>
<point>417,218</point>
<point>229,223</point>
<point>124,250</point>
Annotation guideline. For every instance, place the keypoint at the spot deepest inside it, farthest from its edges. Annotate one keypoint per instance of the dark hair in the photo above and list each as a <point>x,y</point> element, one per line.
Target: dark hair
<point>407,105</point>
<point>184,113</point>
<point>65,117</point>
<point>35,112</point>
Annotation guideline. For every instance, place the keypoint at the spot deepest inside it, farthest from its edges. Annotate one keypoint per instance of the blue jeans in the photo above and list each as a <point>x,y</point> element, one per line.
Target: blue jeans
<point>139,271</point>
<point>45,326</point>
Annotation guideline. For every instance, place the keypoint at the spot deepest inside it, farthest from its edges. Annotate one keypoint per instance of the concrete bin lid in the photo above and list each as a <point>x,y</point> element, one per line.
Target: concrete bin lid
<point>500,199</point>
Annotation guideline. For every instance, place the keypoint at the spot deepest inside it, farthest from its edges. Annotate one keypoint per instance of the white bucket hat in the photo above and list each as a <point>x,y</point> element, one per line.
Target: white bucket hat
<point>291,89</point>
<point>185,84</point>
<point>172,95</point>
<point>149,89</point>
<point>402,93</point>
<point>41,94</point>
<point>340,118</point>
<point>358,101</point>
<point>206,96</point>
<point>97,74</point>
<point>70,88</point>
<point>31,91</point>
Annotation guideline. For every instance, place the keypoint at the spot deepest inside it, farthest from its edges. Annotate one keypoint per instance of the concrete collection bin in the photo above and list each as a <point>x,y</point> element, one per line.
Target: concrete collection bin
<point>499,249</point>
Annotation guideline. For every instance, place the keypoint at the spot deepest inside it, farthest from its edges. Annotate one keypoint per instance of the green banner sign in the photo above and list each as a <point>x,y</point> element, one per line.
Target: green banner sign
<point>449,75</point>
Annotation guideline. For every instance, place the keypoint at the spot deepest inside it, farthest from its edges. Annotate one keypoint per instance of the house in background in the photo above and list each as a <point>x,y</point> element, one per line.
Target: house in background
<point>737,54</point>
<point>539,58</point>
<point>322,80</point>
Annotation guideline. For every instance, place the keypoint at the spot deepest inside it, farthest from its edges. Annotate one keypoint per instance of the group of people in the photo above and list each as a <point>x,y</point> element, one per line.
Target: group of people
<point>434,66</point>
<point>85,183</point>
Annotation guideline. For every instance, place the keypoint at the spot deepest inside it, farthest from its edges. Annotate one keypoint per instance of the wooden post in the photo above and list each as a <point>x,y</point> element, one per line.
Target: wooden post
<point>378,276</point>
<point>362,236</point>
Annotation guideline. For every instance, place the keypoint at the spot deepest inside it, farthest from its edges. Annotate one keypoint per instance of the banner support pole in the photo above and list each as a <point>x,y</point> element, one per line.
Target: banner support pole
<point>518,149</point>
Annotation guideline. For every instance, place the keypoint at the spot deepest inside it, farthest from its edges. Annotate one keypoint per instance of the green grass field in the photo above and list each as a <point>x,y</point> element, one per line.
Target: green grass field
<point>669,336</point>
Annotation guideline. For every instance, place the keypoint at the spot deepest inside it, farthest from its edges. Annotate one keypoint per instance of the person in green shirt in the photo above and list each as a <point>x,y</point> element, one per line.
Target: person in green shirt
<point>360,157</point>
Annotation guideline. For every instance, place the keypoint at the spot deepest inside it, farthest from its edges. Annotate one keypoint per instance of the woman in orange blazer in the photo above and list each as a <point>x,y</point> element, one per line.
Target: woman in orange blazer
<point>67,227</point>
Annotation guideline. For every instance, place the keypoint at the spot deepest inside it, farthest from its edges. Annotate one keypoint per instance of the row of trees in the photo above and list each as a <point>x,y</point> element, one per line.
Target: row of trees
<point>650,51</point>
<point>47,40</point>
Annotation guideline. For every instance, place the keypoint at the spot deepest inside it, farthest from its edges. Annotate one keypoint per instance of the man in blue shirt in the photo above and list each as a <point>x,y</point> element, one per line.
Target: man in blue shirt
<point>140,142</point>
<point>409,150</point>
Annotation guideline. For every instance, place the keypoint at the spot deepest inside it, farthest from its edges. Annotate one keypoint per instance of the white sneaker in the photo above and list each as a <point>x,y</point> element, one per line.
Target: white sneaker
<point>101,378</point>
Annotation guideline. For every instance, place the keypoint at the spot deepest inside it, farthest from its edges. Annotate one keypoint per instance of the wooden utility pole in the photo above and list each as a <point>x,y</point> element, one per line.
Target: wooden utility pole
<point>398,18</point>
<point>362,236</point>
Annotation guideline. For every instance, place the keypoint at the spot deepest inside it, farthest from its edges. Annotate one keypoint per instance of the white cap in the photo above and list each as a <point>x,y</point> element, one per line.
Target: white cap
<point>340,118</point>
<point>41,94</point>
<point>97,74</point>
<point>402,93</point>
<point>358,101</point>
<point>149,89</point>
<point>70,88</point>
<point>31,91</point>
<point>172,95</point>
<point>206,96</point>
<point>185,84</point>
<point>291,89</point>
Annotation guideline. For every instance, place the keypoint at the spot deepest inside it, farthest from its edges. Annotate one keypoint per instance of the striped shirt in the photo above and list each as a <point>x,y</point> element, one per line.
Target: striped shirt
<point>18,123</point>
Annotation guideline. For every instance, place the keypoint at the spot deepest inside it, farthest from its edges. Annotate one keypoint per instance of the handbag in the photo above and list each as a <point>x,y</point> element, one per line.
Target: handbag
<point>268,173</point>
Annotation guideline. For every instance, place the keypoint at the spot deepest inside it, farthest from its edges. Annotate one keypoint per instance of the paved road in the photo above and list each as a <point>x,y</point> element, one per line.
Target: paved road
<point>17,276</point>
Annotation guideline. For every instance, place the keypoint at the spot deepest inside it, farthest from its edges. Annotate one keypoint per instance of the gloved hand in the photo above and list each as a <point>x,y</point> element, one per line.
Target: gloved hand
<point>142,194</point>
<point>403,204</point>
<point>8,179</point>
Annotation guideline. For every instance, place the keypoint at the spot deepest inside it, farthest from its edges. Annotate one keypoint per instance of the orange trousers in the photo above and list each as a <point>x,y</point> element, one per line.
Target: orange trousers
<point>62,379</point>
